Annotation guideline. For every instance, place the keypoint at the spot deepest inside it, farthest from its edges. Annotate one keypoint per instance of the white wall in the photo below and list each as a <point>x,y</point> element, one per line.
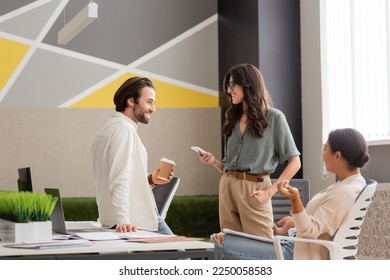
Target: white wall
<point>311,96</point>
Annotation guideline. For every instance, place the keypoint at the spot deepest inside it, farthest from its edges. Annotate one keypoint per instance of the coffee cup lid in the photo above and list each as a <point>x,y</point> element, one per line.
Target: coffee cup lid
<point>167,160</point>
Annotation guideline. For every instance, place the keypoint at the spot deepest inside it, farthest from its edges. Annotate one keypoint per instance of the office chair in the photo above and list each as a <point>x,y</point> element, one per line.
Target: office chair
<point>163,195</point>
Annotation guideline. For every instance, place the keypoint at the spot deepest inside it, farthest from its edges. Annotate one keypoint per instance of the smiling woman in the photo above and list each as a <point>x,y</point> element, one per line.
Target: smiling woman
<point>257,138</point>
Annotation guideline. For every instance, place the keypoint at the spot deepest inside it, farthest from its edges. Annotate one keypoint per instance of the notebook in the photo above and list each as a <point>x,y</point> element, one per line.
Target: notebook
<point>57,218</point>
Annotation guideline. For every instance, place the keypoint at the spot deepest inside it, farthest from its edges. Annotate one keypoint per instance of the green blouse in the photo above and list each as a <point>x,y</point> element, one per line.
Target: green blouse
<point>256,155</point>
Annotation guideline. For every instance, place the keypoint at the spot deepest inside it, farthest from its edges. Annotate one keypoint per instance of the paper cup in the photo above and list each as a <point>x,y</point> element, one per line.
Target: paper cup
<point>166,166</point>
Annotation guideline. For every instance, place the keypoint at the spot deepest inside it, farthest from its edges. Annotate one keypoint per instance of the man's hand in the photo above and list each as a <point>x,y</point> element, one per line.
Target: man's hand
<point>126,228</point>
<point>158,181</point>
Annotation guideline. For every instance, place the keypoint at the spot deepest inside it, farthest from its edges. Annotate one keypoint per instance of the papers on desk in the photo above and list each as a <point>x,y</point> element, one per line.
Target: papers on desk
<point>95,236</point>
<point>142,234</point>
<point>51,244</point>
<point>111,235</point>
<point>174,238</point>
<point>136,236</point>
<point>153,237</point>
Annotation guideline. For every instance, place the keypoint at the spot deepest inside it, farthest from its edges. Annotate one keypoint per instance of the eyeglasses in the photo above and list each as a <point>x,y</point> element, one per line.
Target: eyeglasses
<point>231,85</point>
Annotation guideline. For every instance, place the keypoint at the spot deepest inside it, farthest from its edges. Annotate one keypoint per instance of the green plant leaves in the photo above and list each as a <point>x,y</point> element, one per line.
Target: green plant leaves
<point>23,207</point>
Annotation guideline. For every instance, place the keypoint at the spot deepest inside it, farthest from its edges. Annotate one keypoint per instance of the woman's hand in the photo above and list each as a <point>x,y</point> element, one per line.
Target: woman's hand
<point>206,158</point>
<point>263,195</point>
<point>286,223</point>
<point>293,194</point>
<point>217,238</point>
<point>286,190</point>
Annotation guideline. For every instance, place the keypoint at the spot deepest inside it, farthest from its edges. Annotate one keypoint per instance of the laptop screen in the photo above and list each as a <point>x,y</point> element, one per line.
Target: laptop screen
<point>57,217</point>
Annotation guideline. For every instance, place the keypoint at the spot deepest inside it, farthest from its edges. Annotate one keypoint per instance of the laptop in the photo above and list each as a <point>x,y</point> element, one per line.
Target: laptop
<point>57,218</point>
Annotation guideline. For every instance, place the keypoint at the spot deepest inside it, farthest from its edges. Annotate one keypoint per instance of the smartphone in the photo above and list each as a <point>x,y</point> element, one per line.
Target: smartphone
<point>198,149</point>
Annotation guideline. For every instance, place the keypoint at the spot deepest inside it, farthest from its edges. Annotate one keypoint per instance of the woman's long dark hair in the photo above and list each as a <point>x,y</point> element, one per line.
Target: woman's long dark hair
<point>256,100</point>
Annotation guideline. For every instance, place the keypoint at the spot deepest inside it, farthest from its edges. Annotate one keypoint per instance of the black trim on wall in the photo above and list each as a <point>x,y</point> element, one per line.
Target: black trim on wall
<point>266,34</point>
<point>280,61</point>
<point>238,38</point>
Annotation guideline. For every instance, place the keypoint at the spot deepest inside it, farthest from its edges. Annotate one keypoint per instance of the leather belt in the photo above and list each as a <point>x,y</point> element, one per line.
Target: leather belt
<point>246,176</point>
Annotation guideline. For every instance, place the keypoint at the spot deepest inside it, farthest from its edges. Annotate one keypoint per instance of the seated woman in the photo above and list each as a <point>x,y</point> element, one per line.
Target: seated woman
<point>344,153</point>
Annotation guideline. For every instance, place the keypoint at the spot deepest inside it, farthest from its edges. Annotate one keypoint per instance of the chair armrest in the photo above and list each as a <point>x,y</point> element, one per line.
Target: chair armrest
<point>333,247</point>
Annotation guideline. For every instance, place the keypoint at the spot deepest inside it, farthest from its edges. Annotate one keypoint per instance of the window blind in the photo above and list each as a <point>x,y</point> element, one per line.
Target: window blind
<point>355,59</point>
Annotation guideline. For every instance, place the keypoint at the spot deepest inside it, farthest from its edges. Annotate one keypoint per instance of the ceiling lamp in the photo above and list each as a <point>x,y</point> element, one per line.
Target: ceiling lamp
<point>88,14</point>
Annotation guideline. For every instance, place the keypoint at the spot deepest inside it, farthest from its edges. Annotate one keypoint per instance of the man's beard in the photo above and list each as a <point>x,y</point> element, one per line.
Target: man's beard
<point>140,115</point>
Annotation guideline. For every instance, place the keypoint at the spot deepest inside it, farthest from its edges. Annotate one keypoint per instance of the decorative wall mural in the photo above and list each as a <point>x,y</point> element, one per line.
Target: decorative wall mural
<point>177,50</point>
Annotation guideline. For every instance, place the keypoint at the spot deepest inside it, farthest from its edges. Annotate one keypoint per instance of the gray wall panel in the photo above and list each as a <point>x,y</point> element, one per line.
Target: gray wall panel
<point>10,5</point>
<point>51,79</point>
<point>56,144</point>
<point>126,30</point>
<point>194,60</point>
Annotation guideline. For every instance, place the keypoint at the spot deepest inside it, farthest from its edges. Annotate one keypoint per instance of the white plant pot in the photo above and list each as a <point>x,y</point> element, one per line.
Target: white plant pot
<point>42,231</point>
<point>22,232</point>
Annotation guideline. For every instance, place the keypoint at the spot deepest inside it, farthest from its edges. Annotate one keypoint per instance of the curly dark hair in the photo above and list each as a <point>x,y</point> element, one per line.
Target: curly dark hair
<point>256,100</point>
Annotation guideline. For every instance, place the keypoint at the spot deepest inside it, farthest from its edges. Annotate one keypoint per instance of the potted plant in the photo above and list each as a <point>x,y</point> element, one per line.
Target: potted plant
<point>24,216</point>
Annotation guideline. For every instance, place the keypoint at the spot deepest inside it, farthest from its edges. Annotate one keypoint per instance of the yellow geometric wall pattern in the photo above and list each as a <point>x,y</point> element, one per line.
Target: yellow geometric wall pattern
<point>11,53</point>
<point>167,96</point>
<point>33,64</point>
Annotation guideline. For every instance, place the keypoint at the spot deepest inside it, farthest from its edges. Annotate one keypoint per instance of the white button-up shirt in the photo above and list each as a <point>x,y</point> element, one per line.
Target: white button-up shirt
<point>123,194</point>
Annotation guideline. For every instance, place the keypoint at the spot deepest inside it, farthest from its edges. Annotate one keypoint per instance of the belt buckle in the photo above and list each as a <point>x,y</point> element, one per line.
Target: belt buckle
<point>234,173</point>
<point>260,179</point>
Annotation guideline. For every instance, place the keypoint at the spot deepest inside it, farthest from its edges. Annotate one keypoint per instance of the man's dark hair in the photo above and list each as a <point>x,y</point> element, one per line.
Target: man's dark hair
<point>131,88</point>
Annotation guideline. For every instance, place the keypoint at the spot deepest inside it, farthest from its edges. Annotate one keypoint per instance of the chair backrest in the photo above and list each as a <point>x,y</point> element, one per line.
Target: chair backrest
<point>163,195</point>
<point>282,206</point>
<point>347,236</point>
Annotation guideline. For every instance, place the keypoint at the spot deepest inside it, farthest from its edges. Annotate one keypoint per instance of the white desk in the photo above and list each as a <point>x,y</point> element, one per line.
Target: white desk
<point>116,250</point>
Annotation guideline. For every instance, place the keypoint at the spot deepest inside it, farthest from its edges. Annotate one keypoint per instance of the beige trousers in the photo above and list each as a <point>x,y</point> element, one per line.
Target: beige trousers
<point>241,212</point>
